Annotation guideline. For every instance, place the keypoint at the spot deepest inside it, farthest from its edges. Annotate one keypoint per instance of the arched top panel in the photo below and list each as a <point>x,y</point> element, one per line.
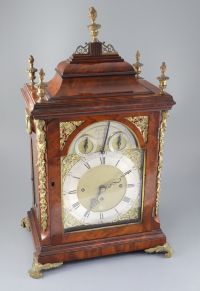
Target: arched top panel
<point>108,135</point>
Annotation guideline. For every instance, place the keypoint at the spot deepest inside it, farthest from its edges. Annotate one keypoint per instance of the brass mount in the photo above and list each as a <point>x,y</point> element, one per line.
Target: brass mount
<point>41,86</point>
<point>93,27</point>
<point>28,121</point>
<point>37,268</point>
<point>163,78</point>
<point>138,66</point>
<point>25,223</point>
<point>31,70</point>
<point>166,249</point>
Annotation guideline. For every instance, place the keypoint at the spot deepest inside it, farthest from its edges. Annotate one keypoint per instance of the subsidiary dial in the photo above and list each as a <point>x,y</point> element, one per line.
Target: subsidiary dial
<point>84,145</point>
<point>118,141</point>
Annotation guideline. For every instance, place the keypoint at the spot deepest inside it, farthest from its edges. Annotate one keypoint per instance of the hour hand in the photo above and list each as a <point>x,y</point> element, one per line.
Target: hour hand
<point>96,200</point>
<point>93,203</point>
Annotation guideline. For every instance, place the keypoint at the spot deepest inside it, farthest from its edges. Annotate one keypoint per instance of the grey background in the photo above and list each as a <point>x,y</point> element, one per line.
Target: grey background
<point>51,30</point>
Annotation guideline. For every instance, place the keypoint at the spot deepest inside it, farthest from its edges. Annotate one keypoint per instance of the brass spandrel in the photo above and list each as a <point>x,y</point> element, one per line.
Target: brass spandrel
<point>142,123</point>
<point>66,128</point>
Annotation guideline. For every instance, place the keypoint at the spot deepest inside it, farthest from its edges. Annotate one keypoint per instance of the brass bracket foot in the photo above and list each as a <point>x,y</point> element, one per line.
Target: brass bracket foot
<point>25,223</point>
<point>166,249</point>
<point>37,268</point>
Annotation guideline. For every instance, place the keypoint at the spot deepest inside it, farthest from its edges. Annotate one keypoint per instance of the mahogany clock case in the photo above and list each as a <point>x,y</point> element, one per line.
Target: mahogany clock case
<point>100,241</point>
<point>107,90</point>
<point>53,36</point>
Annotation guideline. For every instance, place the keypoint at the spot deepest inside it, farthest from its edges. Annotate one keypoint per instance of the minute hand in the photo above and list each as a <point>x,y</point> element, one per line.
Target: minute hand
<point>112,182</point>
<point>105,139</point>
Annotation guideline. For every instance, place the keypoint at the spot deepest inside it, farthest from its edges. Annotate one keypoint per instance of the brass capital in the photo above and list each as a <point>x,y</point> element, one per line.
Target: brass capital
<point>138,66</point>
<point>31,70</point>
<point>163,78</point>
<point>93,27</point>
<point>41,86</point>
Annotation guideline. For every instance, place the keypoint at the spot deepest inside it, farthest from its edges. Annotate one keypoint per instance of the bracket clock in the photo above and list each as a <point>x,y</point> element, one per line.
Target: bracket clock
<point>96,133</point>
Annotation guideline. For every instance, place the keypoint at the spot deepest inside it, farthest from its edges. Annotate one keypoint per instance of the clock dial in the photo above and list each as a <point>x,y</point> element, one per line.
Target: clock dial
<point>118,141</point>
<point>92,138</point>
<point>104,183</point>
<point>101,188</point>
<point>84,145</point>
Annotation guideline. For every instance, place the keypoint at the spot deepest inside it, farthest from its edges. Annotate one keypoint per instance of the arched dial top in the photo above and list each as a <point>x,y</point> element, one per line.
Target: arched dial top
<point>93,138</point>
<point>102,177</point>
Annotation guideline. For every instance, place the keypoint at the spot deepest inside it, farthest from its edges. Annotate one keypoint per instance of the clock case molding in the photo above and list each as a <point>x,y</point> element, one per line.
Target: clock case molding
<point>92,85</point>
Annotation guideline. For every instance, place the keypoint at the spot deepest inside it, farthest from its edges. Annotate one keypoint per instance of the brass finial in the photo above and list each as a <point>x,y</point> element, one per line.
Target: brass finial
<point>31,70</point>
<point>41,85</point>
<point>138,66</point>
<point>93,27</point>
<point>163,78</point>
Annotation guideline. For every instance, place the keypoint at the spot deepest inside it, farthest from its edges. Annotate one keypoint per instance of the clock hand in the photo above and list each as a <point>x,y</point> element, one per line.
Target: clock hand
<point>85,144</point>
<point>105,139</point>
<point>114,181</point>
<point>110,183</point>
<point>119,141</point>
<point>101,189</point>
<point>95,201</point>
